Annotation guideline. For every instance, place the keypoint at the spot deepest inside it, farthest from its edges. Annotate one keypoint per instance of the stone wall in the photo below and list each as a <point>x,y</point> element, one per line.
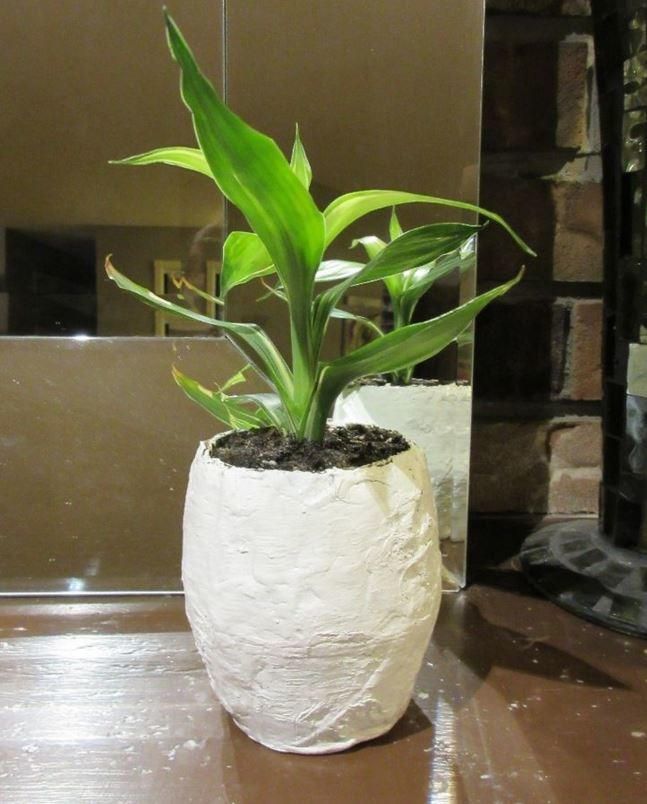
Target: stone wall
<point>536,441</point>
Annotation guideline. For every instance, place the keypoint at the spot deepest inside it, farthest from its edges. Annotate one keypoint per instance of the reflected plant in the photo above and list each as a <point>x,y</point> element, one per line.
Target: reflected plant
<point>404,289</point>
<point>289,238</point>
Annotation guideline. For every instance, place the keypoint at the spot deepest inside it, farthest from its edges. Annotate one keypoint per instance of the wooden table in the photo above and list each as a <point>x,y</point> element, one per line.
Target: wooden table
<point>107,701</point>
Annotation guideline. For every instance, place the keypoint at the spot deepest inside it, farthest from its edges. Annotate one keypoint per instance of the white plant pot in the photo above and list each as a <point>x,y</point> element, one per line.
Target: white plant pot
<point>435,417</point>
<point>312,596</point>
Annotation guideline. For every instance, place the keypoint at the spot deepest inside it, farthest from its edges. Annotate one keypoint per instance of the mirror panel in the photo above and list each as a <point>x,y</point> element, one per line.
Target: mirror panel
<point>95,441</point>
<point>95,446</point>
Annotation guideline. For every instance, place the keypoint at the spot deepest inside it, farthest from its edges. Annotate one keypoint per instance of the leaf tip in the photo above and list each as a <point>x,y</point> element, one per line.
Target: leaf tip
<point>109,267</point>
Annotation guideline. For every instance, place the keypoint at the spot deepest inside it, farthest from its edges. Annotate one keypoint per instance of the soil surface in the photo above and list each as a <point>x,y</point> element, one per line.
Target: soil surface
<point>379,380</point>
<point>342,447</point>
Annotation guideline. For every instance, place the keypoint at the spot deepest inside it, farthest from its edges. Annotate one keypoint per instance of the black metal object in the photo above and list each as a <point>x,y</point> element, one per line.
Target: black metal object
<point>599,569</point>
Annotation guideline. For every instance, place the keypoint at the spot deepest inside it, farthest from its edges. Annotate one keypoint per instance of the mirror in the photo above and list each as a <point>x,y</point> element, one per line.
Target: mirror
<point>95,440</point>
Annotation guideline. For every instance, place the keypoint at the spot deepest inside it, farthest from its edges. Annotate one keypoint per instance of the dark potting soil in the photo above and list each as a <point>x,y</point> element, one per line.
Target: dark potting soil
<point>342,447</point>
<point>380,381</point>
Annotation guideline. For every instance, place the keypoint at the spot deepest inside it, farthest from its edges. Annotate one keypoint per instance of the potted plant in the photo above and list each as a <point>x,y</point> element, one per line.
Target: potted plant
<point>310,558</point>
<point>435,416</point>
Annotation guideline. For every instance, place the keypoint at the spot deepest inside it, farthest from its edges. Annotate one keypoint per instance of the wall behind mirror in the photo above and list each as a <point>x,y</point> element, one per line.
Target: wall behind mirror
<point>95,441</point>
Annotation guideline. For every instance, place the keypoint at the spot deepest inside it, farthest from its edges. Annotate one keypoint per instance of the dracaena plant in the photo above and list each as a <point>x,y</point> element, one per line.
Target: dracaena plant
<point>289,238</point>
<point>404,289</point>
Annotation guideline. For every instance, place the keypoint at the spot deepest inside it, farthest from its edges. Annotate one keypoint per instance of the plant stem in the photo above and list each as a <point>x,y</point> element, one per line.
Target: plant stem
<point>304,361</point>
<point>402,376</point>
<point>316,418</point>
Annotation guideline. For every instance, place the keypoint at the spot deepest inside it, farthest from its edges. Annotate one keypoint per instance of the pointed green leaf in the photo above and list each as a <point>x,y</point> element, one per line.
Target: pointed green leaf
<point>236,379</point>
<point>188,158</point>
<point>348,208</point>
<point>254,175</point>
<point>336,270</point>
<point>228,409</point>
<point>269,361</point>
<point>277,292</point>
<point>372,245</point>
<point>414,248</point>
<point>337,312</point>
<point>183,282</point>
<point>299,163</point>
<point>405,346</point>
<point>420,280</point>
<point>244,257</point>
<point>272,408</point>
<point>395,230</point>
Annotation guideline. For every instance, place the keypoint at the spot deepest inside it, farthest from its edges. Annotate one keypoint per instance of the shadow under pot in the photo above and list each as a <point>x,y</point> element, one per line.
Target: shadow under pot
<point>312,595</point>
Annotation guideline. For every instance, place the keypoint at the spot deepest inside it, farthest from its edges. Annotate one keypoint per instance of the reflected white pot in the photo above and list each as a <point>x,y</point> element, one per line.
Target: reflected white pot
<point>312,596</point>
<point>435,417</point>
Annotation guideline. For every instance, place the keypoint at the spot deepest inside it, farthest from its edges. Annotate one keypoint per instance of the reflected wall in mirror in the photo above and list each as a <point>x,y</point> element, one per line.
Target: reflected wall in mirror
<point>85,83</point>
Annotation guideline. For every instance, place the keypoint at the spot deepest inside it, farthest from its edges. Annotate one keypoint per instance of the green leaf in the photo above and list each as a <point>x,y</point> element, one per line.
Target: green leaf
<point>413,248</point>
<point>271,407</point>
<point>336,312</point>
<point>348,208</point>
<point>269,361</point>
<point>420,280</point>
<point>395,230</point>
<point>277,292</point>
<point>183,282</point>
<point>372,245</point>
<point>254,175</point>
<point>244,257</point>
<point>235,379</point>
<point>299,163</point>
<point>336,270</point>
<point>228,409</point>
<point>405,346</point>
<point>188,158</point>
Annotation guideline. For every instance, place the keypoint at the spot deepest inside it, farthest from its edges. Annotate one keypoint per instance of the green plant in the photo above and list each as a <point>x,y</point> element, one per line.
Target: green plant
<point>405,289</point>
<point>289,237</point>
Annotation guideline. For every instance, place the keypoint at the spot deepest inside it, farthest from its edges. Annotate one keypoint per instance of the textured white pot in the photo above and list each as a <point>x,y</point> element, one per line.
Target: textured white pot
<point>312,596</point>
<point>435,417</point>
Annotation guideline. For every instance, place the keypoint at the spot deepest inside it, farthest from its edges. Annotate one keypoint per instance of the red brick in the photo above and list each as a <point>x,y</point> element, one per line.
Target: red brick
<point>585,352</point>
<point>509,469</point>
<point>576,443</point>
<point>579,240</point>
<point>572,95</point>
<point>531,333</point>
<point>528,205</point>
<point>520,114</point>
<point>574,491</point>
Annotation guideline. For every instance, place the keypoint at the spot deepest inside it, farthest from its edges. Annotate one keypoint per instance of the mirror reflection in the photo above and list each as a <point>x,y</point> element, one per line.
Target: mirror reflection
<point>384,99</point>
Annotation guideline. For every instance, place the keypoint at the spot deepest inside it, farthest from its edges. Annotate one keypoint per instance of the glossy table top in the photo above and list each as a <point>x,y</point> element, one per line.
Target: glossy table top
<point>518,701</point>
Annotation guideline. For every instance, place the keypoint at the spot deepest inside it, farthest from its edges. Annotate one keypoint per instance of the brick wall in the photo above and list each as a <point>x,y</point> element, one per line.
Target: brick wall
<point>536,441</point>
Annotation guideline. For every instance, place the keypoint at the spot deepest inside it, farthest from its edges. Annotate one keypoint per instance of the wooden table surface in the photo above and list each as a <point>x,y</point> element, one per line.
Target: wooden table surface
<point>107,701</point>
